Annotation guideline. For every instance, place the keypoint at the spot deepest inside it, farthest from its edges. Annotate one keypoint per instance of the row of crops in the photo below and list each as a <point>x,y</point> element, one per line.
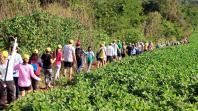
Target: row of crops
<point>165,79</point>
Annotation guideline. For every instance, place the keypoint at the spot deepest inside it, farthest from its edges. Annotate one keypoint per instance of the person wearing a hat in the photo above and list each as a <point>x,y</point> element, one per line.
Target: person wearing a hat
<point>25,73</point>
<point>116,49</point>
<point>90,58</point>
<point>36,62</point>
<point>101,56</point>
<point>58,56</point>
<point>69,59</point>
<point>6,66</point>
<point>7,89</point>
<point>79,56</point>
<point>47,60</point>
<point>109,53</point>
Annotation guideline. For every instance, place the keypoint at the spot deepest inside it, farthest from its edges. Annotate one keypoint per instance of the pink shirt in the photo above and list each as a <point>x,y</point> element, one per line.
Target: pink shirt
<point>25,74</point>
<point>59,57</point>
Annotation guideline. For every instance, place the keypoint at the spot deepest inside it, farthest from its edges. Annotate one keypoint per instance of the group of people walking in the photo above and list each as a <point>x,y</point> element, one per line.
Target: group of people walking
<point>20,74</point>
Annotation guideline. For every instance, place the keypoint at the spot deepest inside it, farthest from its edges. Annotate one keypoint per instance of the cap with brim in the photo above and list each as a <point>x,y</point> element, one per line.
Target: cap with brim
<point>36,51</point>
<point>48,49</point>
<point>71,41</point>
<point>60,46</point>
<point>26,56</point>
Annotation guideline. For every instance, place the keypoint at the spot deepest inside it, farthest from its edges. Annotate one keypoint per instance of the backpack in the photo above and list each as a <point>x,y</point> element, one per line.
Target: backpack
<point>98,54</point>
<point>37,69</point>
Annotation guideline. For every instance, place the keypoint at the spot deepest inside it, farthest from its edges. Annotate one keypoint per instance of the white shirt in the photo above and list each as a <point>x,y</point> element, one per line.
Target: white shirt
<point>68,51</point>
<point>115,48</point>
<point>133,51</point>
<point>3,67</point>
<point>90,54</point>
<point>10,67</point>
<point>17,60</point>
<point>109,50</point>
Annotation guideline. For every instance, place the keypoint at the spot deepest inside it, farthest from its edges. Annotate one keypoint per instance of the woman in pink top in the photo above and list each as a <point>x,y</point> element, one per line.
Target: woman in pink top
<point>58,56</point>
<point>25,73</point>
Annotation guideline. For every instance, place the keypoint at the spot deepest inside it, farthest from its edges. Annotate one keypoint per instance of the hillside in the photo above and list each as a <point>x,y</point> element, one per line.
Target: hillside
<point>93,21</point>
<point>165,79</point>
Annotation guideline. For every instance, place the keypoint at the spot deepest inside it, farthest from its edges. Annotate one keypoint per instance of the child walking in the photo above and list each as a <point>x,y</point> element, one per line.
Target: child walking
<point>90,58</point>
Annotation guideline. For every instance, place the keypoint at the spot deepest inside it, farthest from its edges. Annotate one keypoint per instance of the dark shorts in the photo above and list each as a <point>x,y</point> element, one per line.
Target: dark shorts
<point>100,59</point>
<point>123,55</point>
<point>24,88</point>
<point>109,59</point>
<point>119,54</point>
<point>114,57</point>
<point>68,64</point>
<point>7,94</point>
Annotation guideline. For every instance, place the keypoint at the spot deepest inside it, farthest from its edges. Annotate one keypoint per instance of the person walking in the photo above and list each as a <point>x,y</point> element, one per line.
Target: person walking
<point>26,71</point>
<point>115,50</point>
<point>17,60</point>
<point>110,52</point>
<point>119,53</point>
<point>129,49</point>
<point>90,58</point>
<point>7,86</point>
<point>150,46</point>
<point>36,63</point>
<point>47,67</point>
<point>101,56</point>
<point>133,51</point>
<point>59,58</point>
<point>69,59</point>
<point>79,56</point>
<point>146,46</point>
<point>123,50</point>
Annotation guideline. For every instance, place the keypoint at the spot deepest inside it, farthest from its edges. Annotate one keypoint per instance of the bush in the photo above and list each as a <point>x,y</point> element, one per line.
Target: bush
<point>171,29</point>
<point>113,16</point>
<point>130,35</point>
<point>40,30</point>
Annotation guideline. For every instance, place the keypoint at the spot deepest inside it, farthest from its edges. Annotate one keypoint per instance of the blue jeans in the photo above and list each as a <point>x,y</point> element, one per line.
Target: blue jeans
<point>79,65</point>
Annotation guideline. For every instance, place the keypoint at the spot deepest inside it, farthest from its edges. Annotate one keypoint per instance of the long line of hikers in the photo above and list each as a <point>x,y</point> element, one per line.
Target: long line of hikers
<point>20,74</point>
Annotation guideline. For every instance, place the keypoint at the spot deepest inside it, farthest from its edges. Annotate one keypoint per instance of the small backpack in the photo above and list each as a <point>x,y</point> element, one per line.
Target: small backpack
<point>37,69</point>
<point>97,55</point>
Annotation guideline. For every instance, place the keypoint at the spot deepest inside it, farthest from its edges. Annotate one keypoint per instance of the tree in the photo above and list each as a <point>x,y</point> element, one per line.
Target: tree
<point>116,15</point>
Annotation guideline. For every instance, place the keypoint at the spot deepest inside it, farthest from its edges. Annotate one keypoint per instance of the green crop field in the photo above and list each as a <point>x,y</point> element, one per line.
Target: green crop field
<point>165,79</point>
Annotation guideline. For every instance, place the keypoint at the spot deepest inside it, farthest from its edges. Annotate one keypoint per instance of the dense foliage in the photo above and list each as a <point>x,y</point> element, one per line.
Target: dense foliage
<point>165,79</point>
<point>96,20</point>
<point>40,30</point>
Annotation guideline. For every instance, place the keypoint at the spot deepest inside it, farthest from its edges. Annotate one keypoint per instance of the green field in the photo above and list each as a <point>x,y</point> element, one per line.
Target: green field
<point>165,79</point>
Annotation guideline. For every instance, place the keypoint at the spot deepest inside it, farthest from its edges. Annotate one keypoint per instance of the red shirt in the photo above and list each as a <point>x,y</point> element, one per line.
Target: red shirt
<point>58,57</point>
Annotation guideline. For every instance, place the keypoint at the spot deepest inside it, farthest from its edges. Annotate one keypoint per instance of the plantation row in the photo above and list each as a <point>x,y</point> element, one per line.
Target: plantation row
<point>164,79</point>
